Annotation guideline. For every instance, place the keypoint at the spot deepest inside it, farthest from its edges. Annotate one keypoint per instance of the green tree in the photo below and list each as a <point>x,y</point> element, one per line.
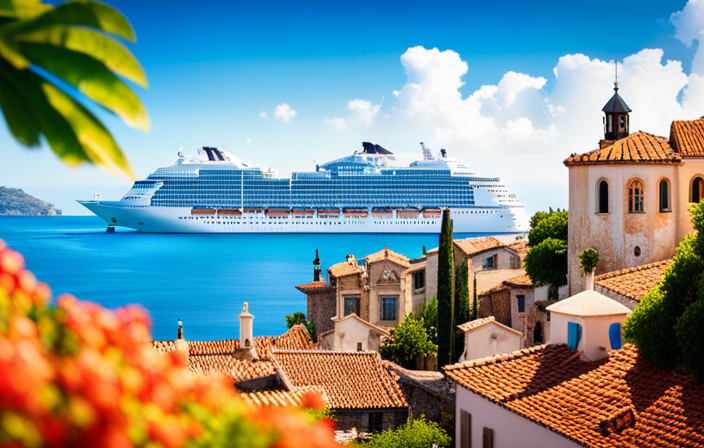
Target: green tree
<point>73,43</point>
<point>546,261</point>
<point>407,342</point>
<point>446,293</point>
<point>419,433</point>
<point>430,320</point>
<point>462,313</point>
<point>299,318</point>
<point>667,326</point>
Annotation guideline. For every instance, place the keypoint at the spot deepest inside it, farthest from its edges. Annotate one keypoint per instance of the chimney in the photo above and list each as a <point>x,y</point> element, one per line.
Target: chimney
<point>316,267</point>
<point>246,348</point>
<point>180,330</point>
<point>589,281</point>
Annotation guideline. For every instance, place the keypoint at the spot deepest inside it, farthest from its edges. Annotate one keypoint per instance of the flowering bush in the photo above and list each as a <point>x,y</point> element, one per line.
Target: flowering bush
<point>76,374</point>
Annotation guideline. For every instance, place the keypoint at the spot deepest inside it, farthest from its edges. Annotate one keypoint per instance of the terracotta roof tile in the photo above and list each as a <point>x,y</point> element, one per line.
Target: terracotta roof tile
<point>640,148</point>
<point>313,286</point>
<point>520,280</point>
<point>206,357</point>
<point>472,246</point>
<point>351,380</point>
<point>476,323</point>
<point>349,267</point>
<point>521,247</point>
<point>281,397</point>
<point>687,137</point>
<point>387,254</point>
<point>635,282</point>
<point>497,288</point>
<point>585,402</point>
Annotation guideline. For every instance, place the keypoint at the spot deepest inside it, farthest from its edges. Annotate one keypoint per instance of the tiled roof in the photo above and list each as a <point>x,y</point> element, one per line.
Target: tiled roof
<point>638,148</point>
<point>587,402</point>
<point>496,288</point>
<point>687,137</point>
<point>636,282</point>
<point>477,323</point>
<point>519,280</point>
<point>387,254</point>
<point>351,380</point>
<point>281,397</point>
<point>472,246</point>
<point>521,247</point>
<point>348,267</point>
<point>313,286</point>
<point>205,357</point>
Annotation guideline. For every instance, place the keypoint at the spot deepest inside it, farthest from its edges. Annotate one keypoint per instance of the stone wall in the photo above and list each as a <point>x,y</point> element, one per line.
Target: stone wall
<point>321,309</point>
<point>359,418</point>
<point>497,304</point>
<point>427,393</point>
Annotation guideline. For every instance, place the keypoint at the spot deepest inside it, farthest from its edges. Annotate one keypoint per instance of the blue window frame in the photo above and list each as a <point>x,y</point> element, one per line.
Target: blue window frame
<point>388,308</point>
<point>574,335</point>
<point>615,336</point>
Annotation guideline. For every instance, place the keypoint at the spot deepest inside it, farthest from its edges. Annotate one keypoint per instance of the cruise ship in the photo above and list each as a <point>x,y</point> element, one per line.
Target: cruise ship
<point>365,192</point>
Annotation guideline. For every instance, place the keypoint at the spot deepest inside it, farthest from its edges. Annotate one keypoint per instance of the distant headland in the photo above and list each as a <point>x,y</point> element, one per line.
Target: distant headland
<point>16,202</point>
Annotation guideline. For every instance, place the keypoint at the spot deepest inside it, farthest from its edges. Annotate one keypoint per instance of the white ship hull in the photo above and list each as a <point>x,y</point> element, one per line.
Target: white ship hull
<point>180,220</point>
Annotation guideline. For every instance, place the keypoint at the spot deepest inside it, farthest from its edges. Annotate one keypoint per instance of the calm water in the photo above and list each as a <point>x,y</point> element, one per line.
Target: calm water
<point>202,279</point>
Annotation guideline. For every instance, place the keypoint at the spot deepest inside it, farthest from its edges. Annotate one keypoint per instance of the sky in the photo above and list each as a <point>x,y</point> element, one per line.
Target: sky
<point>510,88</point>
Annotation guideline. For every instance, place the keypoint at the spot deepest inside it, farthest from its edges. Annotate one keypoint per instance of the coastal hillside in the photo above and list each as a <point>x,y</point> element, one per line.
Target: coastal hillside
<point>16,202</point>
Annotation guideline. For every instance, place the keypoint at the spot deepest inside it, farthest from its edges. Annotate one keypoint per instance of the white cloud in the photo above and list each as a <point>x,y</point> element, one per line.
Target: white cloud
<point>689,26</point>
<point>262,114</point>
<point>338,123</point>
<point>284,112</point>
<point>363,112</point>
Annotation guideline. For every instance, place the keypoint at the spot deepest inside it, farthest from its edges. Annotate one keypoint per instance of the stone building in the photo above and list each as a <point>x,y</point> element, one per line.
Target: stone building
<point>629,199</point>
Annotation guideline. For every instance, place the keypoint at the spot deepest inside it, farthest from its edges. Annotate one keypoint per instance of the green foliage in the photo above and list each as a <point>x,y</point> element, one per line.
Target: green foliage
<point>548,225</point>
<point>299,318</point>
<point>430,320</point>
<point>319,414</point>
<point>419,433</point>
<point>546,263</point>
<point>75,43</point>
<point>446,294</point>
<point>589,259</point>
<point>667,326</point>
<point>462,313</point>
<point>407,342</point>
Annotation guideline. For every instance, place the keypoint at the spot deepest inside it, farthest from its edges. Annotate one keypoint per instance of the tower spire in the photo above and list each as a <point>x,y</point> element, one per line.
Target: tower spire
<point>616,78</point>
<point>616,119</point>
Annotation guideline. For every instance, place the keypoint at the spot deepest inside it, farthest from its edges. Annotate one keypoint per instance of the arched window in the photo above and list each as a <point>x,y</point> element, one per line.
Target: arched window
<point>697,189</point>
<point>664,195</point>
<point>603,197</point>
<point>635,197</point>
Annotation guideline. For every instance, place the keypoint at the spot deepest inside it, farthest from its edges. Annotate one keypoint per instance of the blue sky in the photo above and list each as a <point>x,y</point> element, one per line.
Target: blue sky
<point>215,67</point>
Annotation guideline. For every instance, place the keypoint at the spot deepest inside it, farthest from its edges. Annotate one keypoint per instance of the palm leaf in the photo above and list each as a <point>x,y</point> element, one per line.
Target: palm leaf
<point>55,128</point>
<point>92,78</point>
<point>18,117</point>
<point>99,46</point>
<point>89,14</point>
<point>22,9</point>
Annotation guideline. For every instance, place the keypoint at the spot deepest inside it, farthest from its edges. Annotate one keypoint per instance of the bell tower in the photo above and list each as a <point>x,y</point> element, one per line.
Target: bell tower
<point>616,115</point>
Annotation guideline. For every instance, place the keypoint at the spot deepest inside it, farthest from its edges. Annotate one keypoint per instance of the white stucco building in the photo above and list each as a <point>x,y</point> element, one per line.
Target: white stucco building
<point>486,337</point>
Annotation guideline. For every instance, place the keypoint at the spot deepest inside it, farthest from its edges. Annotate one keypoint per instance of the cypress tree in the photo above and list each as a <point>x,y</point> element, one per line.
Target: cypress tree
<point>461,307</point>
<point>446,286</point>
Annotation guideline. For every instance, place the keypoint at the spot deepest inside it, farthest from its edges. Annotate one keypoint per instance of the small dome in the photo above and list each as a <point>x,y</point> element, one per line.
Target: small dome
<point>588,303</point>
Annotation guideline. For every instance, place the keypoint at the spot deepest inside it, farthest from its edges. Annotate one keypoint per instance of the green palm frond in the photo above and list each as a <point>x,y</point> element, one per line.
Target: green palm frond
<point>75,42</point>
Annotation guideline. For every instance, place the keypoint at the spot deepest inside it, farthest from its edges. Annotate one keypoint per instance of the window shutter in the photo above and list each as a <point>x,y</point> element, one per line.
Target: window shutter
<point>465,429</point>
<point>488,438</point>
<point>615,336</point>
<point>574,334</point>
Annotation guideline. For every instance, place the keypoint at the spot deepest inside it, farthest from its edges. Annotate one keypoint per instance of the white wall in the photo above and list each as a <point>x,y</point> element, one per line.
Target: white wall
<point>489,340</point>
<point>510,430</point>
<point>350,331</point>
<point>595,342</point>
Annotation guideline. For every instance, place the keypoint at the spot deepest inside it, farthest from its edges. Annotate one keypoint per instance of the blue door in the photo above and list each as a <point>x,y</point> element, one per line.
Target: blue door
<point>615,336</point>
<point>574,335</point>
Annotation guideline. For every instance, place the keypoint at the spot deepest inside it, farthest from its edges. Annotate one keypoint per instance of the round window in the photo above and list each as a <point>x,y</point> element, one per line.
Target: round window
<point>636,251</point>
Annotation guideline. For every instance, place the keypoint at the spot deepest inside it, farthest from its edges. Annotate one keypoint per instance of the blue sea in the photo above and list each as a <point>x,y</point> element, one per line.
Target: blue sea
<point>201,279</point>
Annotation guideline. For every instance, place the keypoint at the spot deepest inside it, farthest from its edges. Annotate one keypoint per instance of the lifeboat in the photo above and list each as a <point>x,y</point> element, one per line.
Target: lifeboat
<point>328,212</point>
<point>355,212</point>
<point>230,212</point>
<point>432,213</point>
<point>382,212</point>
<point>202,211</point>
<point>277,212</point>
<point>407,213</point>
<point>303,212</point>
<point>253,209</point>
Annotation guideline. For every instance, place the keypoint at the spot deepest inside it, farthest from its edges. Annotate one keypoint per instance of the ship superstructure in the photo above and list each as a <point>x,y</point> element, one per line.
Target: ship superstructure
<point>216,191</point>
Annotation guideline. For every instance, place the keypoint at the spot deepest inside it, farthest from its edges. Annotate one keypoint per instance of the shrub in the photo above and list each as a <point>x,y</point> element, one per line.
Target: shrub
<point>546,263</point>
<point>78,374</point>
<point>419,433</point>
<point>299,318</point>
<point>430,320</point>
<point>589,260</point>
<point>690,334</point>
<point>407,342</point>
